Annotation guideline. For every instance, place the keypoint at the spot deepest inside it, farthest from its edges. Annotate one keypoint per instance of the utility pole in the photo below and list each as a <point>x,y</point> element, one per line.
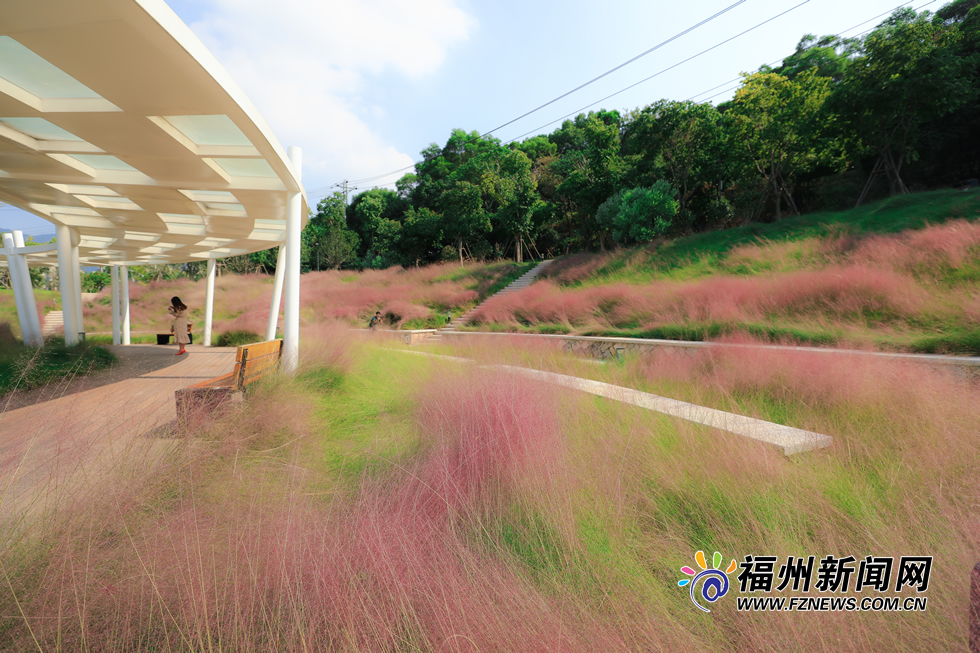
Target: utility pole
<point>346,188</point>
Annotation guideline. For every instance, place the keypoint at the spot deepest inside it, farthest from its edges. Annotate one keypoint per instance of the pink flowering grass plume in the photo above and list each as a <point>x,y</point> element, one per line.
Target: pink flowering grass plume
<point>242,302</point>
<point>328,345</point>
<point>404,561</point>
<point>836,293</point>
<point>936,248</point>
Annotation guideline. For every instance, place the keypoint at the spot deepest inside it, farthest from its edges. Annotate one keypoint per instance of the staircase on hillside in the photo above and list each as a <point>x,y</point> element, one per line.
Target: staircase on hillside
<point>523,282</point>
<point>54,323</point>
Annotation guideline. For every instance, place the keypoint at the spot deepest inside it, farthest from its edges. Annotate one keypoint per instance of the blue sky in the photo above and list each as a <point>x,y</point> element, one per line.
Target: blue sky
<point>364,85</point>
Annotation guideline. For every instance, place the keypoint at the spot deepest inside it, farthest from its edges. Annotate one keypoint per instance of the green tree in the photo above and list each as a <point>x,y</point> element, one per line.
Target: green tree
<point>463,215</point>
<point>909,73</point>
<point>678,141</point>
<point>639,215</point>
<point>829,56</point>
<point>537,147</point>
<point>591,167</point>
<point>421,236</point>
<point>95,281</point>
<point>509,192</point>
<point>332,242</point>
<point>376,216</point>
<point>783,127</point>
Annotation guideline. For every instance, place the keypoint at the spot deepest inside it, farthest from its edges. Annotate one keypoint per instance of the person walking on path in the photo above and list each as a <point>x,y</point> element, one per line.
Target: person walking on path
<point>179,311</point>
<point>375,321</point>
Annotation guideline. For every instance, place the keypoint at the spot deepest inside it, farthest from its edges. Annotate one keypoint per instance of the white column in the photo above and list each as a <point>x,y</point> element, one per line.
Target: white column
<point>124,296</point>
<point>294,203</point>
<point>270,329</point>
<point>116,333</point>
<point>66,281</point>
<point>30,305</point>
<point>77,272</point>
<point>14,270</point>
<point>208,303</point>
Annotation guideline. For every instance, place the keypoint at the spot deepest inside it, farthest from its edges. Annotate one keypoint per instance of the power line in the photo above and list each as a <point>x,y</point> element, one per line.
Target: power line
<point>625,63</point>
<point>577,88</point>
<point>381,176</point>
<point>781,59</point>
<point>622,90</point>
<point>737,79</point>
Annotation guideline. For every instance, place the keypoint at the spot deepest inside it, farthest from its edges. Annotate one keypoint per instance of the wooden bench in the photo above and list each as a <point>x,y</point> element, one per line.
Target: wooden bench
<point>164,338</point>
<point>252,362</point>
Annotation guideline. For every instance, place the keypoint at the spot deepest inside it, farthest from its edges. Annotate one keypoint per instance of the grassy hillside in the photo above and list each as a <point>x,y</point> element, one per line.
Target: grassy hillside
<point>900,274</point>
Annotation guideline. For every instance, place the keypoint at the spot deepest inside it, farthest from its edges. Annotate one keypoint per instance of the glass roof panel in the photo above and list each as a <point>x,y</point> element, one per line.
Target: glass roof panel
<point>20,66</point>
<point>181,218</point>
<point>103,162</point>
<point>209,130</point>
<point>40,129</point>
<point>78,189</point>
<point>209,195</point>
<point>115,199</point>
<point>219,206</point>
<point>246,167</point>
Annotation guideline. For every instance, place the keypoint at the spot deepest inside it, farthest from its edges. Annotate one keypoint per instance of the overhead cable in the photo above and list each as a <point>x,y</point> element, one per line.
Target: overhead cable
<point>625,63</point>
<point>622,90</point>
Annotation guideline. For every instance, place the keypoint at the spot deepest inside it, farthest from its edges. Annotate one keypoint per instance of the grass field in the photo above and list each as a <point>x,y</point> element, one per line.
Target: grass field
<point>25,368</point>
<point>385,501</point>
<point>900,274</point>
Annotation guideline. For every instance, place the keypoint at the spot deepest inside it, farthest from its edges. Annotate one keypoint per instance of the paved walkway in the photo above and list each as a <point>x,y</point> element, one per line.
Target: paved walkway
<point>96,420</point>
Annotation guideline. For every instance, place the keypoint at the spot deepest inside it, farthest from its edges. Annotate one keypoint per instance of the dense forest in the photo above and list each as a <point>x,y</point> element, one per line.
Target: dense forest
<point>841,121</point>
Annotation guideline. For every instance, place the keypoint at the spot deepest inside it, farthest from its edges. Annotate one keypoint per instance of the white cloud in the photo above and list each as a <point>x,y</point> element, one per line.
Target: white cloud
<point>304,64</point>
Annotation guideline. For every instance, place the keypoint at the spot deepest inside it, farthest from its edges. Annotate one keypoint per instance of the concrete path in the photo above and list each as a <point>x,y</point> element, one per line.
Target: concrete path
<point>789,439</point>
<point>47,446</point>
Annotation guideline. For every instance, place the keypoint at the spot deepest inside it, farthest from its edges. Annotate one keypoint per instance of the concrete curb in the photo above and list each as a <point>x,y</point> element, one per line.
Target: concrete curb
<point>790,440</point>
<point>609,348</point>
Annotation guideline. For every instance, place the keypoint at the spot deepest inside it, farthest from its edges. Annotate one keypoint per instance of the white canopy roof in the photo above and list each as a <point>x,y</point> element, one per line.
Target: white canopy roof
<point>116,121</point>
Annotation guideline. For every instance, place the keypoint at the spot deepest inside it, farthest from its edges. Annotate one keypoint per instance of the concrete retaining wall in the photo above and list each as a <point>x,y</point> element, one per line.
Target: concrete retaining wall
<point>609,348</point>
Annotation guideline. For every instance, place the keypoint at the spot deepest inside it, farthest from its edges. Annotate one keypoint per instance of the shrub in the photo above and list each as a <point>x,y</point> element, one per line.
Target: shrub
<point>238,338</point>
<point>645,213</point>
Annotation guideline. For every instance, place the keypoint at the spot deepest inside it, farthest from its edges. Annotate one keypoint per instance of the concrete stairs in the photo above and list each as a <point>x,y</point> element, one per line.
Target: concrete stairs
<point>523,282</point>
<point>54,323</point>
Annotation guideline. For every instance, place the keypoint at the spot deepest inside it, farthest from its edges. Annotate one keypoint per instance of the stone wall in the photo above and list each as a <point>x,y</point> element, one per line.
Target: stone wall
<point>617,348</point>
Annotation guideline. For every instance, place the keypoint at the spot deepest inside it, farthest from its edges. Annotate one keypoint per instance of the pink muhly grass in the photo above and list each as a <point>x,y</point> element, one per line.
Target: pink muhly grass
<point>327,345</point>
<point>904,396</point>
<point>231,559</point>
<point>492,435</point>
<point>576,267</point>
<point>946,245</point>
<point>242,302</point>
<point>841,291</point>
<point>836,292</point>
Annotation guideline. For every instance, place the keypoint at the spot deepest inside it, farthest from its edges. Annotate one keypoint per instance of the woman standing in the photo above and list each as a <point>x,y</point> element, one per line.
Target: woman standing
<point>179,311</point>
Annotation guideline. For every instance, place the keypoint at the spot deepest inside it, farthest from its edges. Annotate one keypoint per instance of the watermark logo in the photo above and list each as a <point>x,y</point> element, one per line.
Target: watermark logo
<point>796,582</point>
<point>712,580</point>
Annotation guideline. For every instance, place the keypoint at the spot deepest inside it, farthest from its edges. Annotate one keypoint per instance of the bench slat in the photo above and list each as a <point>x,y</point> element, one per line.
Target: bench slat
<point>251,363</point>
<point>262,348</point>
<point>258,370</point>
<point>255,360</point>
<point>217,382</point>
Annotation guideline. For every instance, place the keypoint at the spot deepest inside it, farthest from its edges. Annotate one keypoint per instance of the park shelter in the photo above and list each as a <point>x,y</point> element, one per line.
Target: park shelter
<point>120,128</point>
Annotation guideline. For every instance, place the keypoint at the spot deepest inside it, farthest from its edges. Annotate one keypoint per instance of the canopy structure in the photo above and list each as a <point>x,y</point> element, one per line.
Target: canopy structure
<point>119,127</point>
